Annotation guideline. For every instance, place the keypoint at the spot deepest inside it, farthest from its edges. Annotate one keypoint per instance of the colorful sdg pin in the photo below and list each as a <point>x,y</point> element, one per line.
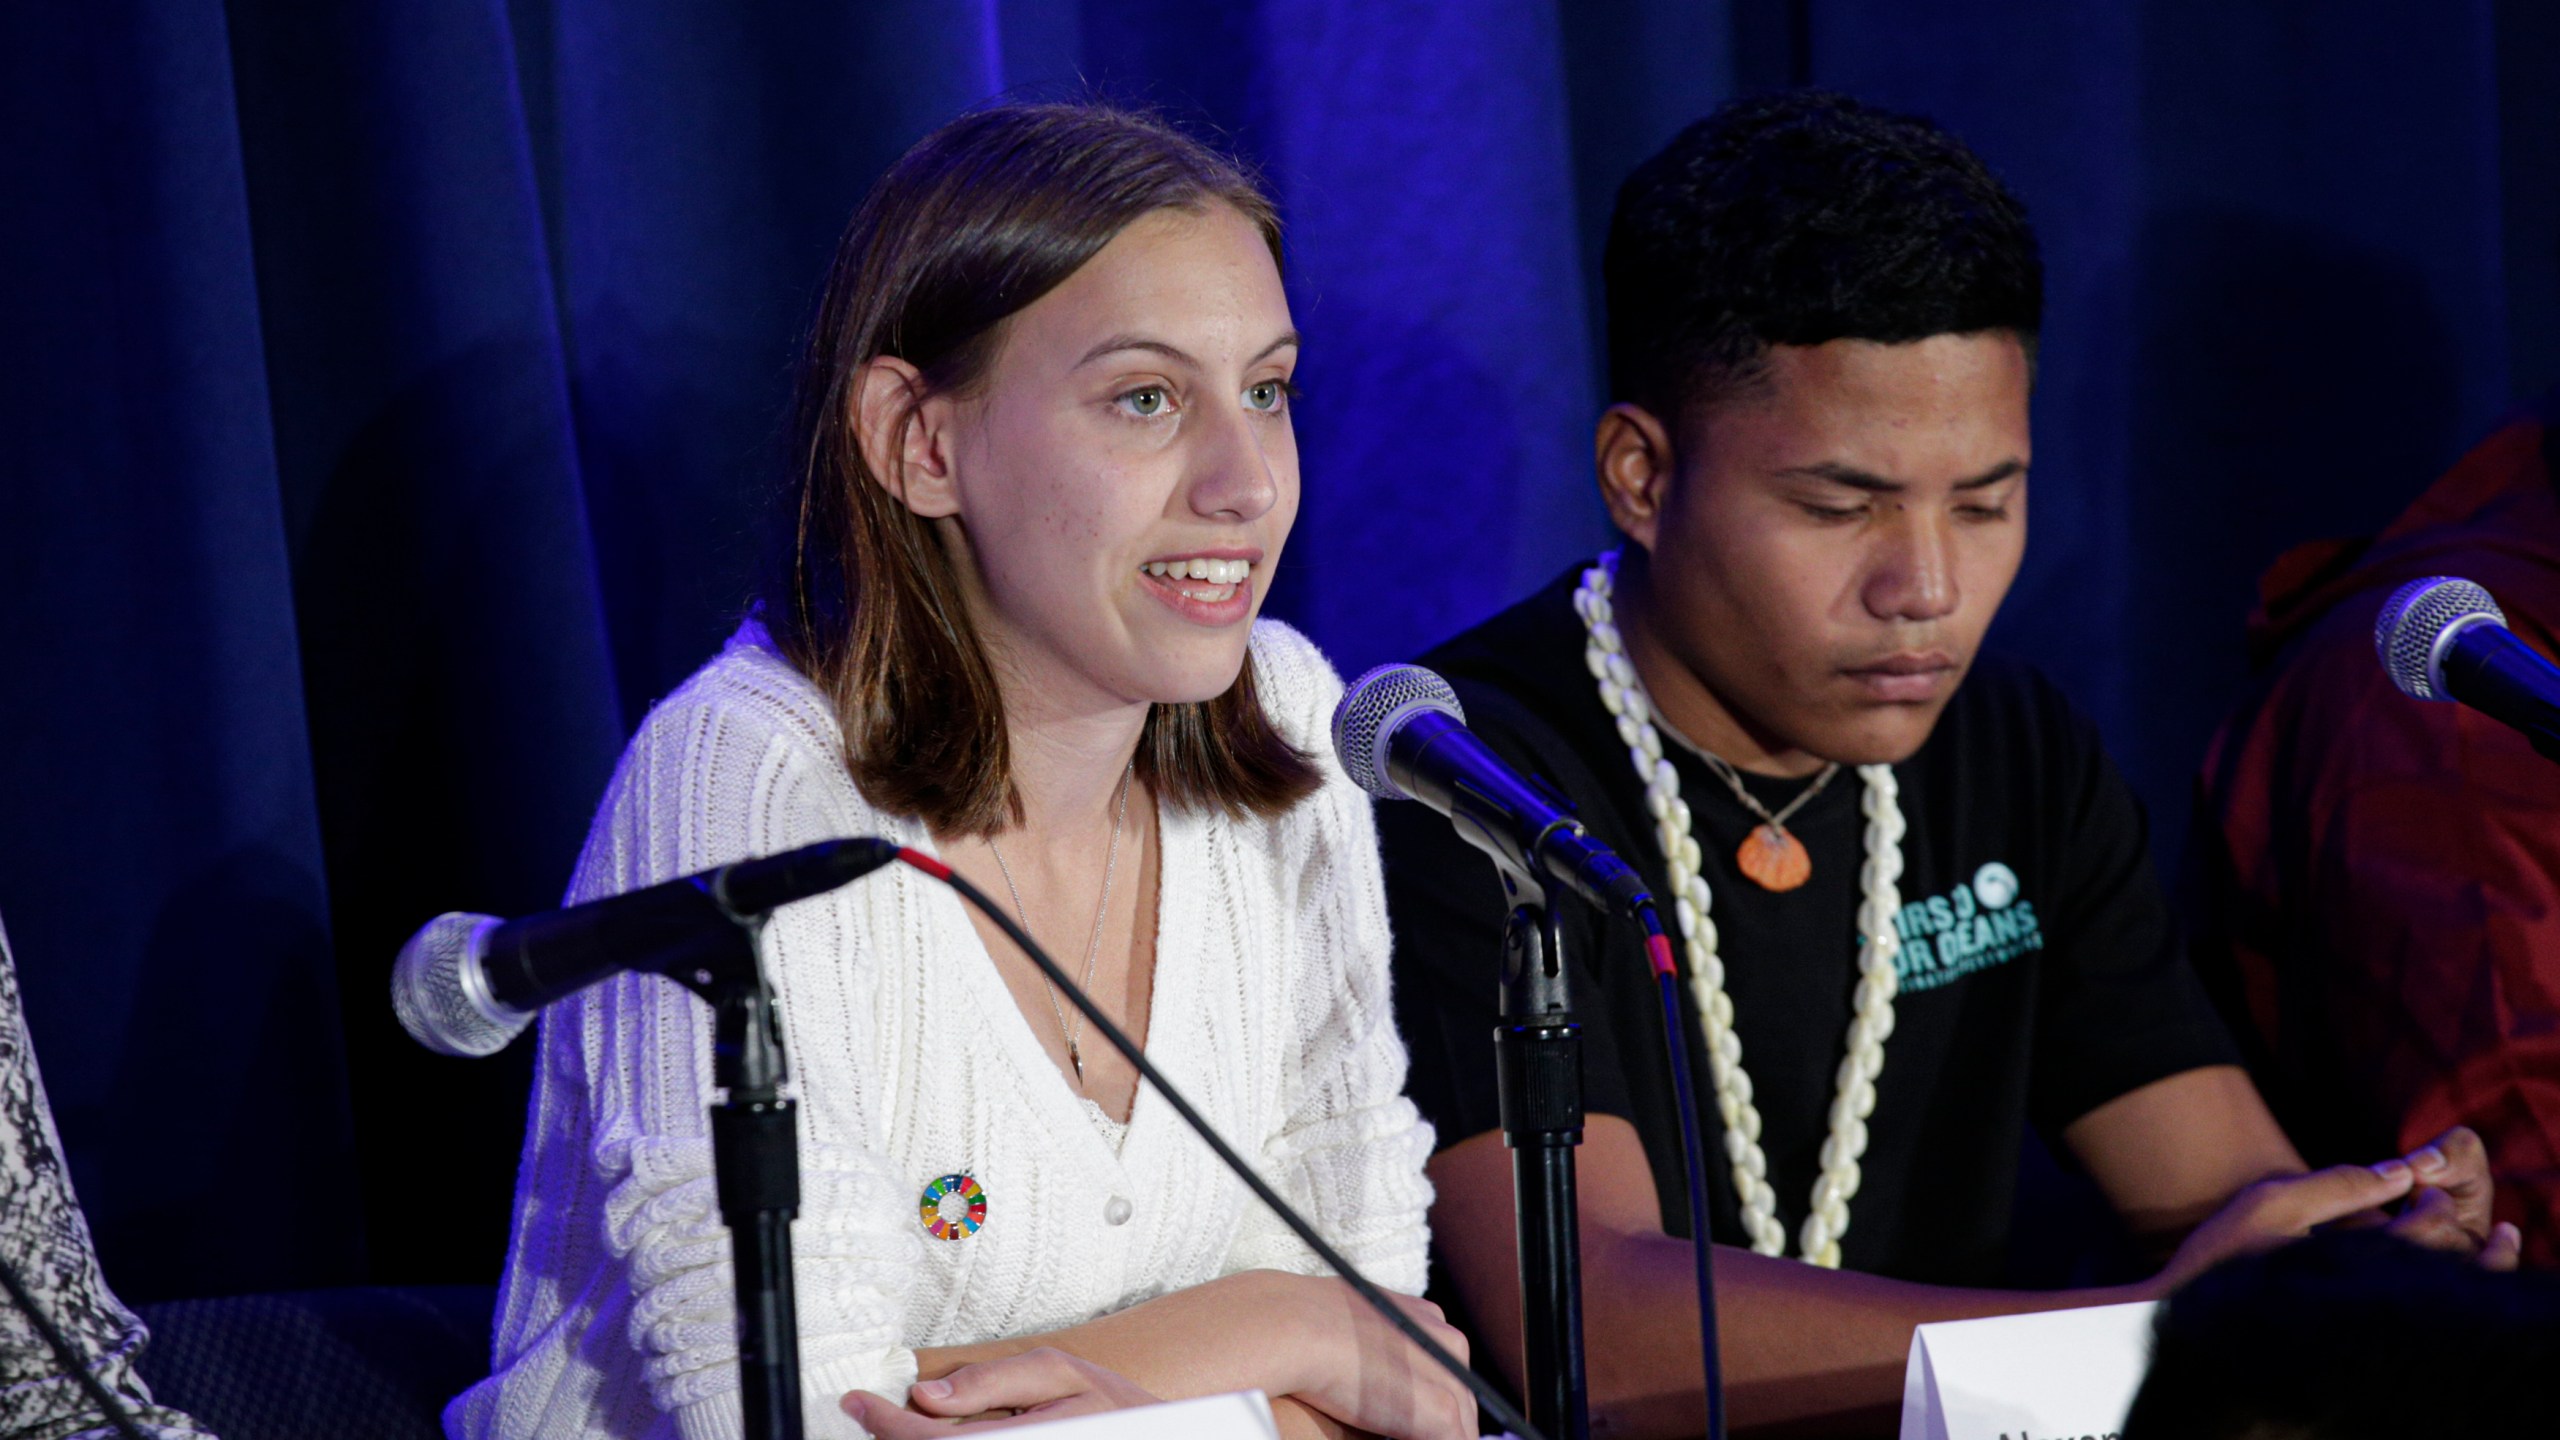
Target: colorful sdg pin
<point>953,1207</point>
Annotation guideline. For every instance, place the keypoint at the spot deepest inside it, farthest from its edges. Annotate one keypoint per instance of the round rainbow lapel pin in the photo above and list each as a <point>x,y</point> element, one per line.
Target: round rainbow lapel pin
<point>953,1207</point>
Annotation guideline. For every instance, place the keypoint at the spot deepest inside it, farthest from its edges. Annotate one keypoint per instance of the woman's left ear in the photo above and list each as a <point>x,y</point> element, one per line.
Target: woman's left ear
<point>905,434</point>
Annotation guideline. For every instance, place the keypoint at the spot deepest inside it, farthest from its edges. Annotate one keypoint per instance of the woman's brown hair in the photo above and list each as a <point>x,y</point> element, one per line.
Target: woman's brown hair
<point>981,218</point>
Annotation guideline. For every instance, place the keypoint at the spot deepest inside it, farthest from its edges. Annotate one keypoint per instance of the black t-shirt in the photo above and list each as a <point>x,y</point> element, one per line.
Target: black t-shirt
<point>2039,976</point>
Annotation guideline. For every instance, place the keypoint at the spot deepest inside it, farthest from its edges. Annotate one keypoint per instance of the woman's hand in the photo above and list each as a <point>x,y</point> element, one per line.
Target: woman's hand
<point>1041,1384</point>
<point>1299,1337</point>
<point>1362,1371</point>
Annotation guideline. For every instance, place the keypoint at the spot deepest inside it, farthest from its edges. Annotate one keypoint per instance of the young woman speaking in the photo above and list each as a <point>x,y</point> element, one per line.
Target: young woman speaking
<point>1047,469</point>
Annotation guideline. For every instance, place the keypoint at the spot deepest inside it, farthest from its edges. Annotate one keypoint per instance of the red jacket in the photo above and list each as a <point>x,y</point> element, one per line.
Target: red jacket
<point>2378,879</point>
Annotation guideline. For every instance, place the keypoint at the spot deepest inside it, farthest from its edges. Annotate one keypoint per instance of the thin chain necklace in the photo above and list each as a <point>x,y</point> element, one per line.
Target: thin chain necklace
<point>1872,1011</point>
<point>1093,944</point>
<point>1770,856</point>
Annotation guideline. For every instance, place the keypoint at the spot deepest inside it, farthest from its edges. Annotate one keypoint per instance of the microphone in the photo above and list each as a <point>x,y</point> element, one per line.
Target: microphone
<point>2443,638</point>
<point>468,984</point>
<point>1403,736</point>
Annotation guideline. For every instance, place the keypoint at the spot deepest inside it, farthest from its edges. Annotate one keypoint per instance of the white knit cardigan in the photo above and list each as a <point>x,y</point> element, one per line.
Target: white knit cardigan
<point>910,1060</point>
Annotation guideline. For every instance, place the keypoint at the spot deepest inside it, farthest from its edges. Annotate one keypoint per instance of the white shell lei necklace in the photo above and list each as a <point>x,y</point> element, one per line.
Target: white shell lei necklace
<point>1872,1017</point>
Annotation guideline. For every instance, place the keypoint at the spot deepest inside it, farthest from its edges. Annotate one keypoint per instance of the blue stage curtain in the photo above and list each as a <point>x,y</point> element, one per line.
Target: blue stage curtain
<point>393,395</point>
<point>161,859</point>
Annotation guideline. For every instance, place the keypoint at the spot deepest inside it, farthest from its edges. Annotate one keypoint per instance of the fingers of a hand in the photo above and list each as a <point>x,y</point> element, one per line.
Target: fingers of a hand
<point>1448,1408</point>
<point>1431,1320</point>
<point>2505,1249</point>
<point>2434,1221</point>
<point>1016,1382</point>
<point>1420,1309</point>
<point>1434,1404</point>
<point>2293,1205</point>
<point>2455,1160</point>
<point>2458,1147</point>
<point>1451,1338</point>
<point>1462,1403</point>
<point>1450,1416</point>
<point>888,1420</point>
<point>1091,1402</point>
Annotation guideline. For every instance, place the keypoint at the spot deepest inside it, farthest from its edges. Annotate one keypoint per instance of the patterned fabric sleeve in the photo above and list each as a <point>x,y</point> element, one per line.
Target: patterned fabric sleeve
<point>45,1240</point>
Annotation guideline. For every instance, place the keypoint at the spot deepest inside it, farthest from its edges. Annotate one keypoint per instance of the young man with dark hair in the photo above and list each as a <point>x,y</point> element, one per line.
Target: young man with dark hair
<point>1908,878</point>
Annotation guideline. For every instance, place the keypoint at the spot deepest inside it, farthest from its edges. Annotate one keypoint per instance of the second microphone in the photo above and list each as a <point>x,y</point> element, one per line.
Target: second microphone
<point>1402,735</point>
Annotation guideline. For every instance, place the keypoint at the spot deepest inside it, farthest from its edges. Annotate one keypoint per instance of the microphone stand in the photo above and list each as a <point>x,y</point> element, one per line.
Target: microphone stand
<point>755,1158</point>
<point>1538,1055</point>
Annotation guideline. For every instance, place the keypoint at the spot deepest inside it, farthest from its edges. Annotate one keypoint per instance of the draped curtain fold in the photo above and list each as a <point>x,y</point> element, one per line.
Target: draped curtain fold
<point>393,396</point>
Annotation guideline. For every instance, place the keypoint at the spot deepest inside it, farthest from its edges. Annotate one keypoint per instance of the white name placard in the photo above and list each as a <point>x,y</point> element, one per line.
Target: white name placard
<point>1244,1415</point>
<point>2061,1375</point>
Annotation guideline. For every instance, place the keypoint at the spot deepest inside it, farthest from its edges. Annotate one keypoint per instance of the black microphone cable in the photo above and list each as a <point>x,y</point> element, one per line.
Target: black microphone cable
<point>1491,1399</point>
<point>1684,1091</point>
<point>60,1344</point>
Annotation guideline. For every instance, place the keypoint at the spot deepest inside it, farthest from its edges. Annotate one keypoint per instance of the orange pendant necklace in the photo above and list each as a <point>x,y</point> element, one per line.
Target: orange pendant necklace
<point>1770,857</point>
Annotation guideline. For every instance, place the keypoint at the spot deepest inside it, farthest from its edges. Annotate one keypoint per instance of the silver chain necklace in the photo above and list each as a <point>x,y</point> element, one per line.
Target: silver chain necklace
<point>1093,945</point>
<point>1771,856</point>
<point>1732,779</point>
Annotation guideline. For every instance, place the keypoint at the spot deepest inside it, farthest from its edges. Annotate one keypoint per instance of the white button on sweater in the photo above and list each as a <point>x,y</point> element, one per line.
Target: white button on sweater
<point>910,1061</point>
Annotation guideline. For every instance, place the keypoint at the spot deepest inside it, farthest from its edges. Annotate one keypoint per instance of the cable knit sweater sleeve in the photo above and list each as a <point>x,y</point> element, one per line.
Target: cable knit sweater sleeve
<point>719,773</point>
<point>1350,1150</point>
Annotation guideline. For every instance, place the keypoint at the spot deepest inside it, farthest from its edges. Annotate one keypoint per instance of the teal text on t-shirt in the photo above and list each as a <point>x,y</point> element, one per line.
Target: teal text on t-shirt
<point>1969,929</point>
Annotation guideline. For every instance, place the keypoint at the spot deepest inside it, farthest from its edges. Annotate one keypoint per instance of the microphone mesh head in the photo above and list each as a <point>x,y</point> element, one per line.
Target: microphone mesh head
<point>441,994</point>
<point>1372,708</point>
<point>2415,622</point>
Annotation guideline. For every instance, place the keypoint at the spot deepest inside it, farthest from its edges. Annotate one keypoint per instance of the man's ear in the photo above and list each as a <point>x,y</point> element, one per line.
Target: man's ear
<point>905,436</point>
<point>1634,456</point>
